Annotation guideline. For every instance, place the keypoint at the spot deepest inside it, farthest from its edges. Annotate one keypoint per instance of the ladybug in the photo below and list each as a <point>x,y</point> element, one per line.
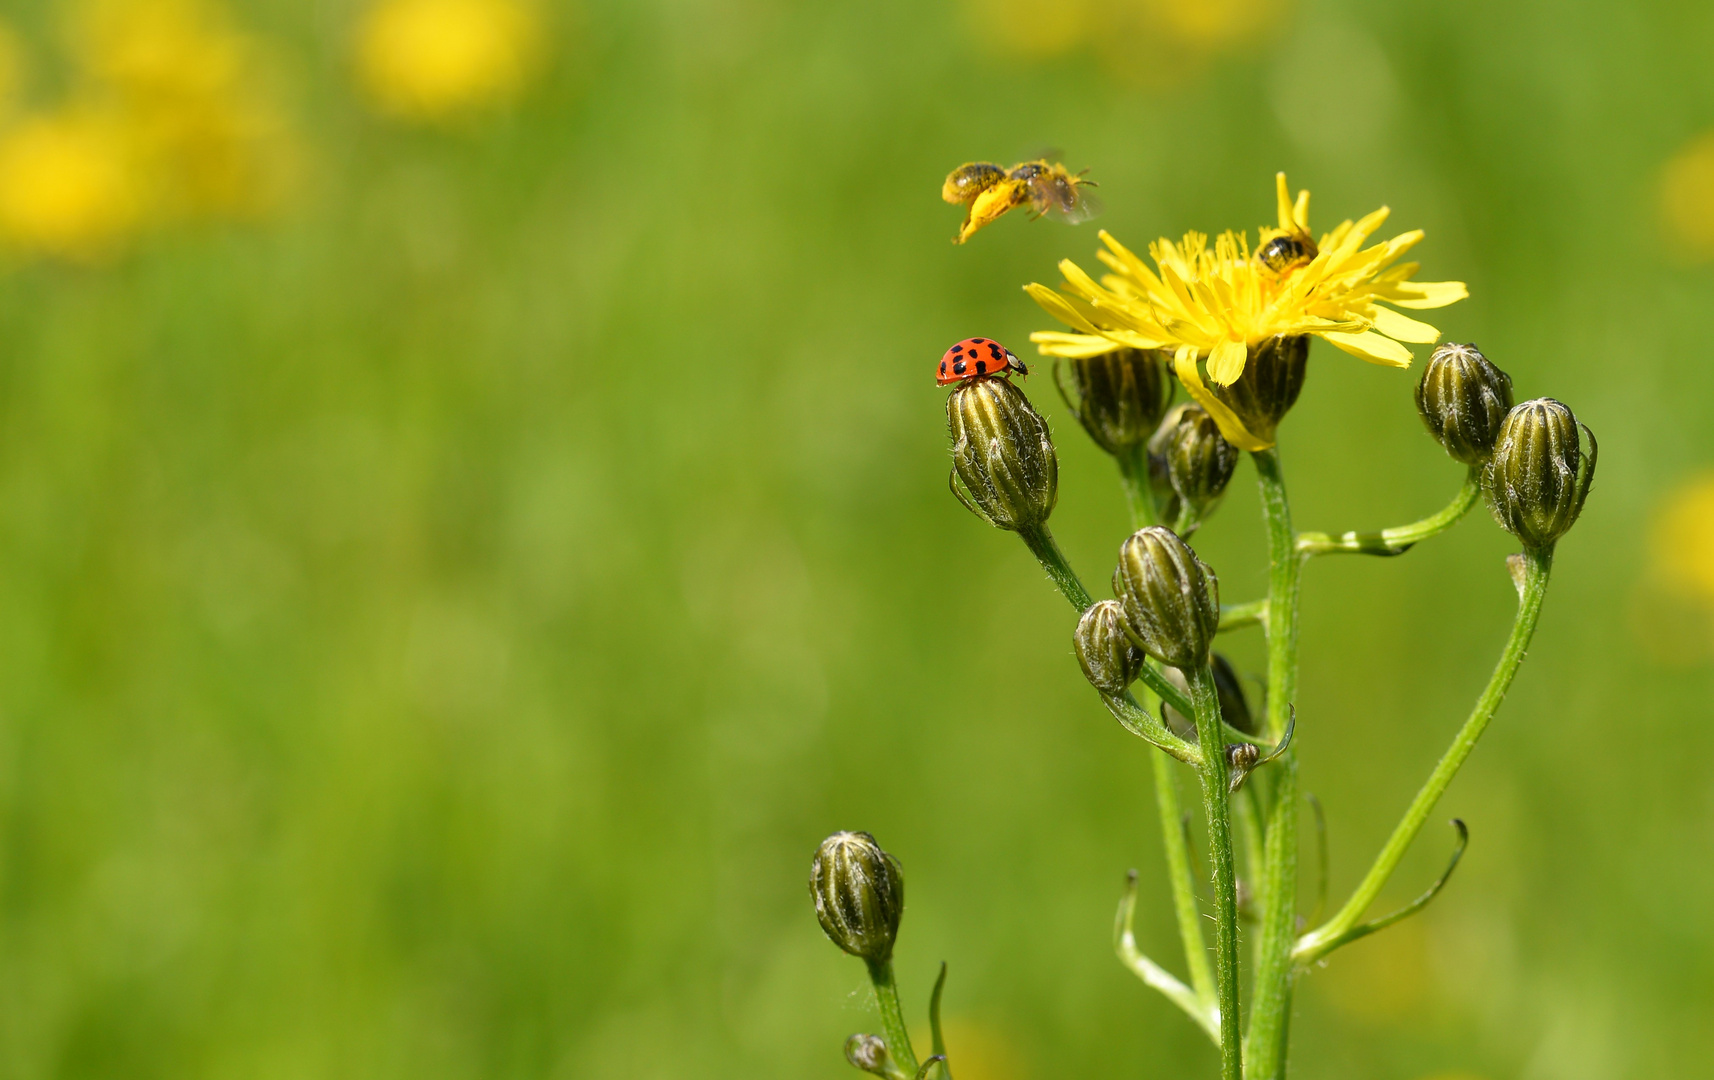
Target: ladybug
<point>974,358</point>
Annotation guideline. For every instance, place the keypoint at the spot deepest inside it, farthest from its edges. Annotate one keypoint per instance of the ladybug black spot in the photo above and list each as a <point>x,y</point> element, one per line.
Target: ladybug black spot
<point>981,367</point>
<point>958,367</point>
<point>975,341</point>
<point>943,367</point>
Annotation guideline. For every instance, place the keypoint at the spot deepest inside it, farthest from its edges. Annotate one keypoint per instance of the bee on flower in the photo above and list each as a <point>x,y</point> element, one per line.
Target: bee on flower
<point>988,193</point>
<point>1231,312</point>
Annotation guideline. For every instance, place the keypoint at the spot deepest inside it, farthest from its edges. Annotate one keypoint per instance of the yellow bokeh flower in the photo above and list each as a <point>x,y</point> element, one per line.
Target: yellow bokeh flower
<point>1682,539</point>
<point>1216,304</point>
<point>436,59</point>
<point>67,186</point>
<point>1687,198</point>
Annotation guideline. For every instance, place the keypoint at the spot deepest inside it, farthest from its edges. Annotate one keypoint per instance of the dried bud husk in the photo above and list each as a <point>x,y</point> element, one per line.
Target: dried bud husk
<point>1539,475</point>
<point>1118,396</point>
<point>1198,459</point>
<point>1268,388</point>
<point>1463,398</point>
<point>1234,707</point>
<point>1002,453</point>
<point>859,893</point>
<point>868,1052</point>
<point>1172,600</point>
<point>1110,662</point>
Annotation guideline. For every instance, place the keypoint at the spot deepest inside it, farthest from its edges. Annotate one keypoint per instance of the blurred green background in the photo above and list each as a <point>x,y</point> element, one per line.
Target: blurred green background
<point>473,516</point>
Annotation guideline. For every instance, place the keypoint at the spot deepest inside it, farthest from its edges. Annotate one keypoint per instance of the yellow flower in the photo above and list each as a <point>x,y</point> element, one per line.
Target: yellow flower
<point>1216,304</point>
<point>67,186</point>
<point>433,59</point>
<point>1687,198</point>
<point>1683,539</point>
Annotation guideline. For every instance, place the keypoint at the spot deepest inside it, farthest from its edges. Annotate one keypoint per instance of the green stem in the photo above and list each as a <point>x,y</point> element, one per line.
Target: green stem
<point>1538,563</point>
<point>1216,804</point>
<point>1183,885</point>
<point>1270,1011</point>
<point>1053,560</point>
<point>1397,540</point>
<point>1238,616</point>
<point>1134,474</point>
<point>892,1017</point>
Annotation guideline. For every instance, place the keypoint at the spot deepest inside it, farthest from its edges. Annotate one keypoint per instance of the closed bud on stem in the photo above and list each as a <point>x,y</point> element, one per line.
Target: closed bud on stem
<point>1463,399</point>
<point>1199,461</point>
<point>1171,599</point>
<point>1110,662</point>
<point>859,893</point>
<point>1268,388</point>
<point>869,1053</point>
<point>1002,454</point>
<point>1118,396</point>
<point>1539,475</point>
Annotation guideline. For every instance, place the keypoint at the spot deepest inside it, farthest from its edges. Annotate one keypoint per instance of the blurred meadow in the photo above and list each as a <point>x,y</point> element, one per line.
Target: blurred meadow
<point>473,516</point>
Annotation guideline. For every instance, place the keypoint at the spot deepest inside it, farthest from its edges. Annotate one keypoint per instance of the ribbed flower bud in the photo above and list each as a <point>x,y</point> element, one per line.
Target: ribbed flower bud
<point>867,1052</point>
<point>859,893</point>
<point>1172,600</point>
<point>1119,396</point>
<point>1463,398</point>
<point>1110,662</point>
<point>1268,388</point>
<point>1002,453</point>
<point>1198,459</point>
<point>1539,474</point>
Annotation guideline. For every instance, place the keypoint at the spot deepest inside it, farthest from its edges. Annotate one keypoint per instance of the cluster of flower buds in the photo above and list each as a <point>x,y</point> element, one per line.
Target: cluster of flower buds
<point>1171,599</point>
<point>859,893</point>
<point>1190,464</point>
<point>1002,454</point>
<point>1534,471</point>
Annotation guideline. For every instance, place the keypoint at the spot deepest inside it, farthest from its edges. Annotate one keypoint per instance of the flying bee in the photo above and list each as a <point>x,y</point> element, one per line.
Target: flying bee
<point>1051,189</point>
<point>988,192</point>
<point>1287,251</point>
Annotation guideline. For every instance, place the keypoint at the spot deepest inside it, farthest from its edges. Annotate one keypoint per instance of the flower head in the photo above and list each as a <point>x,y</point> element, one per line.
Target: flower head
<point>1217,304</point>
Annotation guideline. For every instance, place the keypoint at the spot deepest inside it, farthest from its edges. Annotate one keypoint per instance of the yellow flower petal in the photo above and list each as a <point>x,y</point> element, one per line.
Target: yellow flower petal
<point>1420,295</point>
<point>1373,347</point>
<point>1288,215</point>
<point>1057,306</point>
<point>1226,362</point>
<point>1072,346</point>
<point>1403,328</point>
<point>1184,362</point>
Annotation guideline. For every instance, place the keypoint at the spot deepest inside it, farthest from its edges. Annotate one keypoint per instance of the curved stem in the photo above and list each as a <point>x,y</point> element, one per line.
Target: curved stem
<point>1125,944</point>
<point>892,1016</point>
<point>1538,563</point>
<point>1399,539</point>
<point>1053,560</point>
<point>1270,1011</point>
<point>1238,616</point>
<point>1216,804</point>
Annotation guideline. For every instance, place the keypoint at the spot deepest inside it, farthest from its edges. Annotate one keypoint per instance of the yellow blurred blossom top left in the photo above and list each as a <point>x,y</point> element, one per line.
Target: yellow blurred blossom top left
<point>164,120</point>
<point>437,60</point>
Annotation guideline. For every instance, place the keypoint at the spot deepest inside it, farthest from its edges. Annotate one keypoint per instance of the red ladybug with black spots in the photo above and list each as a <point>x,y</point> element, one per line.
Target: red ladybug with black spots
<point>976,358</point>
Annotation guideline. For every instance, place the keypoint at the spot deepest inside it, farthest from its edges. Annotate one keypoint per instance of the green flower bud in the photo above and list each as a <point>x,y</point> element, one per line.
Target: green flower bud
<point>1234,707</point>
<point>1172,600</point>
<point>1199,461</point>
<point>1002,453</point>
<point>868,1052</point>
<point>1268,388</point>
<point>1165,499</point>
<point>1539,474</point>
<point>1463,398</point>
<point>859,893</point>
<point>1118,397</point>
<point>1110,662</point>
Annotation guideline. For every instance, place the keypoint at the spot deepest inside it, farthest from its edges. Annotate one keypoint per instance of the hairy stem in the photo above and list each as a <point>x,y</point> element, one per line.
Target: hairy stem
<point>1216,804</point>
<point>1397,540</point>
<point>1538,563</point>
<point>1053,560</point>
<point>892,1017</point>
<point>1270,1009</point>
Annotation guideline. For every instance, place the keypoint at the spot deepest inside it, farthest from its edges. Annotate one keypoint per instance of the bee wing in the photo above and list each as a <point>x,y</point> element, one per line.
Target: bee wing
<point>1075,207</point>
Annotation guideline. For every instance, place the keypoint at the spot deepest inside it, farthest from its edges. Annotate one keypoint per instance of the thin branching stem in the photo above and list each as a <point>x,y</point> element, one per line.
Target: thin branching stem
<point>1399,539</point>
